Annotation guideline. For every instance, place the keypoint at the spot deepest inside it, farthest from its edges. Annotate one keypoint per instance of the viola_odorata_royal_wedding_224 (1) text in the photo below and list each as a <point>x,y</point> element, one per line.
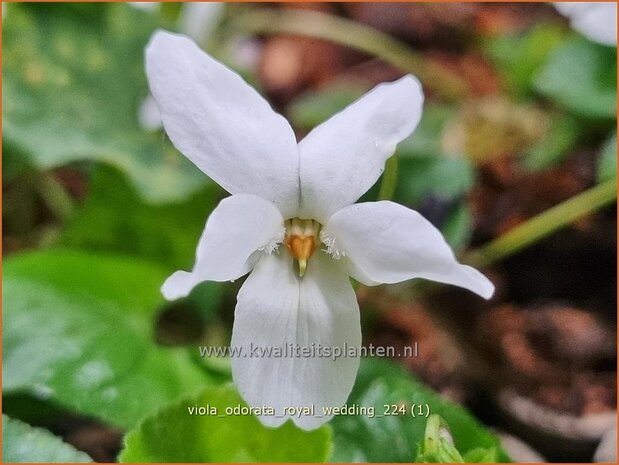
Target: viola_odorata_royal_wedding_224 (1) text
<point>292,223</point>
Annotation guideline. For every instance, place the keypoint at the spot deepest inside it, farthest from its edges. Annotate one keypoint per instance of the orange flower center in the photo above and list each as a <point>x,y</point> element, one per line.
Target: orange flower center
<point>302,240</point>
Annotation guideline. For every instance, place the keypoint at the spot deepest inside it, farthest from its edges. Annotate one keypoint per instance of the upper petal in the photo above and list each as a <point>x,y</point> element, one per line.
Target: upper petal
<point>222,124</point>
<point>390,243</point>
<point>239,226</point>
<point>343,157</point>
<point>276,308</point>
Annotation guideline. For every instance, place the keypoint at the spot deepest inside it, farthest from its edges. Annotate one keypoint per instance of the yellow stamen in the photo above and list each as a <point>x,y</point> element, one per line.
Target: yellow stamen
<point>302,240</point>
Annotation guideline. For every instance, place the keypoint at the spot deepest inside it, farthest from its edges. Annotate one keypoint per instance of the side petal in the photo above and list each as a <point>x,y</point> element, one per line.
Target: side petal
<point>343,157</point>
<point>222,124</point>
<point>277,309</point>
<point>239,226</point>
<point>390,243</point>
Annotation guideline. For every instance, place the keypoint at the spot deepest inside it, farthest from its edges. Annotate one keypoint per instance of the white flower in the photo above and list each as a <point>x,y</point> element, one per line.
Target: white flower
<point>596,21</point>
<point>291,221</point>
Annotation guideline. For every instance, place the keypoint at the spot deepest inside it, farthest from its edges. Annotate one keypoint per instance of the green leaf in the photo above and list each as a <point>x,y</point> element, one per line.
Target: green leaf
<point>73,81</point>
<point>113,218</point>
<point>23,443</point>
<point>582,77</point>
<point>78,330</point>
<point>518,57</point>
<point>396,438</point>
<point>607,165</point>
<point>175,435</point>
<point>444,178</point>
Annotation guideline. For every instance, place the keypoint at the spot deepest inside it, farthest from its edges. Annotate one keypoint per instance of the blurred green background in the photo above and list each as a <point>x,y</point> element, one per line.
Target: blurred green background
<point>99,208</point>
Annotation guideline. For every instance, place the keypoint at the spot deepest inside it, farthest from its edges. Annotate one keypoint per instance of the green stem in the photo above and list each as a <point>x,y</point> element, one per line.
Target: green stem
<point>545,223</point>
<point>342,31</point>
<point>389,180</point>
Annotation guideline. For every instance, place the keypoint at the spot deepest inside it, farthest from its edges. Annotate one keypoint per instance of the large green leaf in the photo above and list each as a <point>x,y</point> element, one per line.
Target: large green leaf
<point>582,77</point>
<point>396,437</point>
<point>78,330</point>
<point>73,81</point>
<point>23,443</point>
<point>175,435</point>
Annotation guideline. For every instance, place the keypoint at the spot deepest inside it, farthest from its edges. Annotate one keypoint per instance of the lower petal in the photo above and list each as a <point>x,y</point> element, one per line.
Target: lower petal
<point>315,313</point>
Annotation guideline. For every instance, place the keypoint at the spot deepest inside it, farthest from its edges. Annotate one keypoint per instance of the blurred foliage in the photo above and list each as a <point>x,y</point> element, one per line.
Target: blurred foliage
<point>561,134</point>
<point>23,443</point>
<point>73,82</point>
<point>81,333</point>
<point>581,76</point>
<point>519,56</point>
<point>173,435</point>
<point>166,234</point>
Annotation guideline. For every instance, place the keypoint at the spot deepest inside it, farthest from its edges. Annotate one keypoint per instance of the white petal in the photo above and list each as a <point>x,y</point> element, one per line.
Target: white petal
<point>343,157</point>
<point>357,273</point>
<point>239,226</point>
<point>222,124</point>
<point>595,20</point>
<point>275,307</point>
<point>390,243</point>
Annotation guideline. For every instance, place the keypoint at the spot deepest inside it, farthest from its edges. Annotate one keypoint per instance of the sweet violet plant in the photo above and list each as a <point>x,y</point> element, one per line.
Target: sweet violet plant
<point>291,222</point>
